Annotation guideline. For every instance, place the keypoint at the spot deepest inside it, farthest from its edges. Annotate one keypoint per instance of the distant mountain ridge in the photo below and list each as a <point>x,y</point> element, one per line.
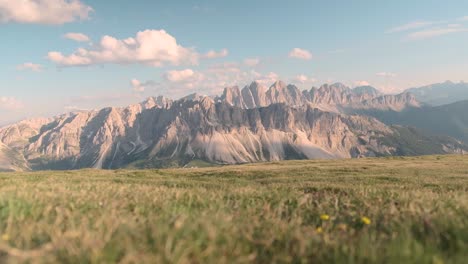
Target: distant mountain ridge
<point>450,120</point>
<point>240,126</point>
<point>334,97</point>
<point>441,93</point>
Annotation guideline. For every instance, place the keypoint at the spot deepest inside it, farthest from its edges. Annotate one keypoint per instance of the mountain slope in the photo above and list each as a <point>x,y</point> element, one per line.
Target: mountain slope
<point>240,126</point>
<point>335,97</point>
<point>441,93</point>
<point>187,130</point>
<point>451,120</point>
<point>11,160</point>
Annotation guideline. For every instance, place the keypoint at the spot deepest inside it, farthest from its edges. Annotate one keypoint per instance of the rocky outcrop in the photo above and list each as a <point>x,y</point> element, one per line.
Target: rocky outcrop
<point>11,160</point>
<point>249,125</point>
<point>335,97</point>
<point>204,130</point>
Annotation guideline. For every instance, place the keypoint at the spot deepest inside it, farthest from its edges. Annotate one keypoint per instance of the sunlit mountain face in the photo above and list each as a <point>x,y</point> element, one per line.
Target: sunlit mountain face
<point>253,124</point>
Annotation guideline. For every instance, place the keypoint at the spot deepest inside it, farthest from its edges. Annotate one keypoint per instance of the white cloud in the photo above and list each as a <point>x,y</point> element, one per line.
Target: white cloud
<point>386,74</point>
<point>212,80</point>
<point>266,79</point>
<point>411,26</point>
<point>74,108</point>
<point>252,62</point>
<point>429,29</point>
<point>361,83</point>
<point>51,12</point>
<point>212,54</point>
<point>139,87</point>
<point>79,37</point>
<point>30,66</point>
<point>436,32</point>
<point>302,78</point>
<point>180,76</point>
<point>300,54</point>
<point>10,103</point>
<point>150,47</point>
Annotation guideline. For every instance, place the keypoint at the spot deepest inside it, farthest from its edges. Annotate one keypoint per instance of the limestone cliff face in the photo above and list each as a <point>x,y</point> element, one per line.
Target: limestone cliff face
<point>17,135</point>
<point>11,160</point>
<point>202,130</point>
<point>335,97</point>
<point>249,125</point>
<point>257,95</point>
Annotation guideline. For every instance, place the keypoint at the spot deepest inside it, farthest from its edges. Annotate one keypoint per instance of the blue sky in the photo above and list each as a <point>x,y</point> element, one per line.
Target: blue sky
<point>392,45</point>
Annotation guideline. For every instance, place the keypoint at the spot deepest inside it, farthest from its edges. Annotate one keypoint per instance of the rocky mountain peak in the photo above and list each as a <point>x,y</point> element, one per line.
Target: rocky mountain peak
<point>193,97</point>
<point>278,85</point>
<point>253,124</point>
<point>366,90</point>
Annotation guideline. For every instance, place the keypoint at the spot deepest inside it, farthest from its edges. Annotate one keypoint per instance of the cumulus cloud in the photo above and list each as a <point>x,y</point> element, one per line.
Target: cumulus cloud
<point>10,103</point>
<point>266,79</point>
<point>53,12</point>
<point>212,80</point>
<point>212,54</point>
<point>180,76</point>
<point>302,78</point>
<point>386,74</point>
<point>302,54</point>
<point>79,37</point>
<point>252,62</point>
<point>361,83</point>
<point>139,87</point>
<point>29,66</point>
<point>150,47</point>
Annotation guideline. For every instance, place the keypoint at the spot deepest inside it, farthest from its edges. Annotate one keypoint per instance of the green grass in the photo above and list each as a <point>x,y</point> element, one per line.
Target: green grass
<point>261,213</point>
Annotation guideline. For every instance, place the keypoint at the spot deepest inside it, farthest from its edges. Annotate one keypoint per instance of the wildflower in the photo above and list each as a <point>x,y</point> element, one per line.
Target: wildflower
<point>324,217</point>
<point>319,229</point>
<point>5,237</point>
<point>365,220</point>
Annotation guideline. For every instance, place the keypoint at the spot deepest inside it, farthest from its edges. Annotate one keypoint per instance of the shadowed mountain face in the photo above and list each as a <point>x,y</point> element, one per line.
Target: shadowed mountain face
<point>441,93</point>
<point>249,125</point>
<point>450,120</point>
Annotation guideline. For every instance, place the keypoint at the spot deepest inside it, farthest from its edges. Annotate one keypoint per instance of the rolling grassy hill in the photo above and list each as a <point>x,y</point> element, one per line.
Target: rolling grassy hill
<point>384,210</point>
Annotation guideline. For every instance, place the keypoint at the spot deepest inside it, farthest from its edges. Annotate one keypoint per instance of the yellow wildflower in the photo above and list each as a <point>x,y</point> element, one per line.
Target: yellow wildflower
<point>319,229</point>
<point>5,237</point>
<point>365,220</point>
<point>324,217</point>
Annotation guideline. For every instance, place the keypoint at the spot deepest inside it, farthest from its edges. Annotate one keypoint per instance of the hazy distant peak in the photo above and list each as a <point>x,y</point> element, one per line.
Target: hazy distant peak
<point>366,90</point>
<point>441,93</point>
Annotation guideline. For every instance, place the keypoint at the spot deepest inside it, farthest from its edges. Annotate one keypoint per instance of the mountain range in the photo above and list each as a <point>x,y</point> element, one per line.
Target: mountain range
<point>252,124</point>
<point>441,93</point>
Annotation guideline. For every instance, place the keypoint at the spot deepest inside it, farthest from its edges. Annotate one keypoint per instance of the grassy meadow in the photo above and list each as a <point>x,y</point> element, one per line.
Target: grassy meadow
<point>385,210</point>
